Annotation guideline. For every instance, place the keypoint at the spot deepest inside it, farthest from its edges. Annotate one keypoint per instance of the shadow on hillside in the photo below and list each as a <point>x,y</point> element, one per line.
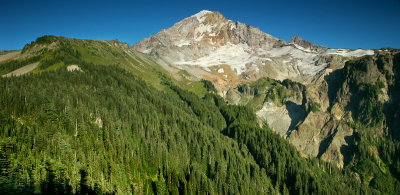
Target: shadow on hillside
<point>296,113</point>
<point>49,186</point>
<point>325,144</point>
<point>335,82</point>
<point>348,150</point>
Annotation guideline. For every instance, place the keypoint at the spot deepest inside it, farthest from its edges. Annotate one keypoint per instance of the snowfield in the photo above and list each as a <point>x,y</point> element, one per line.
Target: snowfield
<point>239,55</point>
<point>236,56</point>
<point>349,53</point>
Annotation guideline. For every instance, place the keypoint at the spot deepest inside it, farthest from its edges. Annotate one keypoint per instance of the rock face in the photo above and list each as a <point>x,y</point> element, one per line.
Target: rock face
<point>323,137</point>
<point>305,45</point>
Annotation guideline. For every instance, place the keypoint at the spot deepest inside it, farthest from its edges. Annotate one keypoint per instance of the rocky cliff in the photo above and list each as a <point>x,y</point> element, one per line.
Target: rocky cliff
<point>323,118</point>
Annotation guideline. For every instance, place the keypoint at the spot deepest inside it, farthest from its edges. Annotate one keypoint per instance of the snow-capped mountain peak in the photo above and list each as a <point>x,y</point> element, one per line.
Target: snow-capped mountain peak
<point>207,40</point>
<point>202,15</point>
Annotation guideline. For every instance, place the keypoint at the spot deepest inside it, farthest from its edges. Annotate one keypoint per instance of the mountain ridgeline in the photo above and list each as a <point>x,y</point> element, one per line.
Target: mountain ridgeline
<point>209,106</point>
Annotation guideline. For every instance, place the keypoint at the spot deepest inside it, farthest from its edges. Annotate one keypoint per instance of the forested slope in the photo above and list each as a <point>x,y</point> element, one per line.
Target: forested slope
<point>111,126</point>
<point>106,130</point>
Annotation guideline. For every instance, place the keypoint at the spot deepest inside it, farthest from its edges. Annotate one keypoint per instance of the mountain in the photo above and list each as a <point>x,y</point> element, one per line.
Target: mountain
<point>207,106</point>
<point>237,58</point>
<point>294,87</point>
<point>228,53</point>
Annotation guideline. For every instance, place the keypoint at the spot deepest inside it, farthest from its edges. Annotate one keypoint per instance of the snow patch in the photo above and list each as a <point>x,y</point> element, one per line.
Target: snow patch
<point>211,42</point>
<point>305,60</point>
<point>183,42</point>
<point>232,26</point>
<point>256,68</point>
<point>147,51</point>
<point>279,52</point>
<point>302,48</point>
<point>349,53</point>
<point>201,15</point>
<point>74,68</point>
<point>199,37</point>
<point>199,31</point>
<point>237,56</point>
<point>221,70</point>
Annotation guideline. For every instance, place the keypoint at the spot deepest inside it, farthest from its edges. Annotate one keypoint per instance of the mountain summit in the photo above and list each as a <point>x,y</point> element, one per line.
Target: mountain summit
<point>206,30</point>
<point>227,53</point>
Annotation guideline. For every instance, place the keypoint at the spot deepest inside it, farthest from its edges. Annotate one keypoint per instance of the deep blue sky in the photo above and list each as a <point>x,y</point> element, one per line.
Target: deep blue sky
<point>333,23</point>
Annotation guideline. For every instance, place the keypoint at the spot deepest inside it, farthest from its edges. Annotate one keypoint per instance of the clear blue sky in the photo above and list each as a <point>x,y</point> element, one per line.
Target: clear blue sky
<point>333,23</point>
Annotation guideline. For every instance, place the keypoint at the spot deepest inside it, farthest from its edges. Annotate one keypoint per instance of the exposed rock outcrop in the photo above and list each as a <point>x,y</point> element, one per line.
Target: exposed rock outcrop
<point>306,45</point>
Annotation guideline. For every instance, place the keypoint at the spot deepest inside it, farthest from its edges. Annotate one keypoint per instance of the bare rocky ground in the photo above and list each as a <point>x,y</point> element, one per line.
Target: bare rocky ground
<point>22,70</point>
<point>9,56</point>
